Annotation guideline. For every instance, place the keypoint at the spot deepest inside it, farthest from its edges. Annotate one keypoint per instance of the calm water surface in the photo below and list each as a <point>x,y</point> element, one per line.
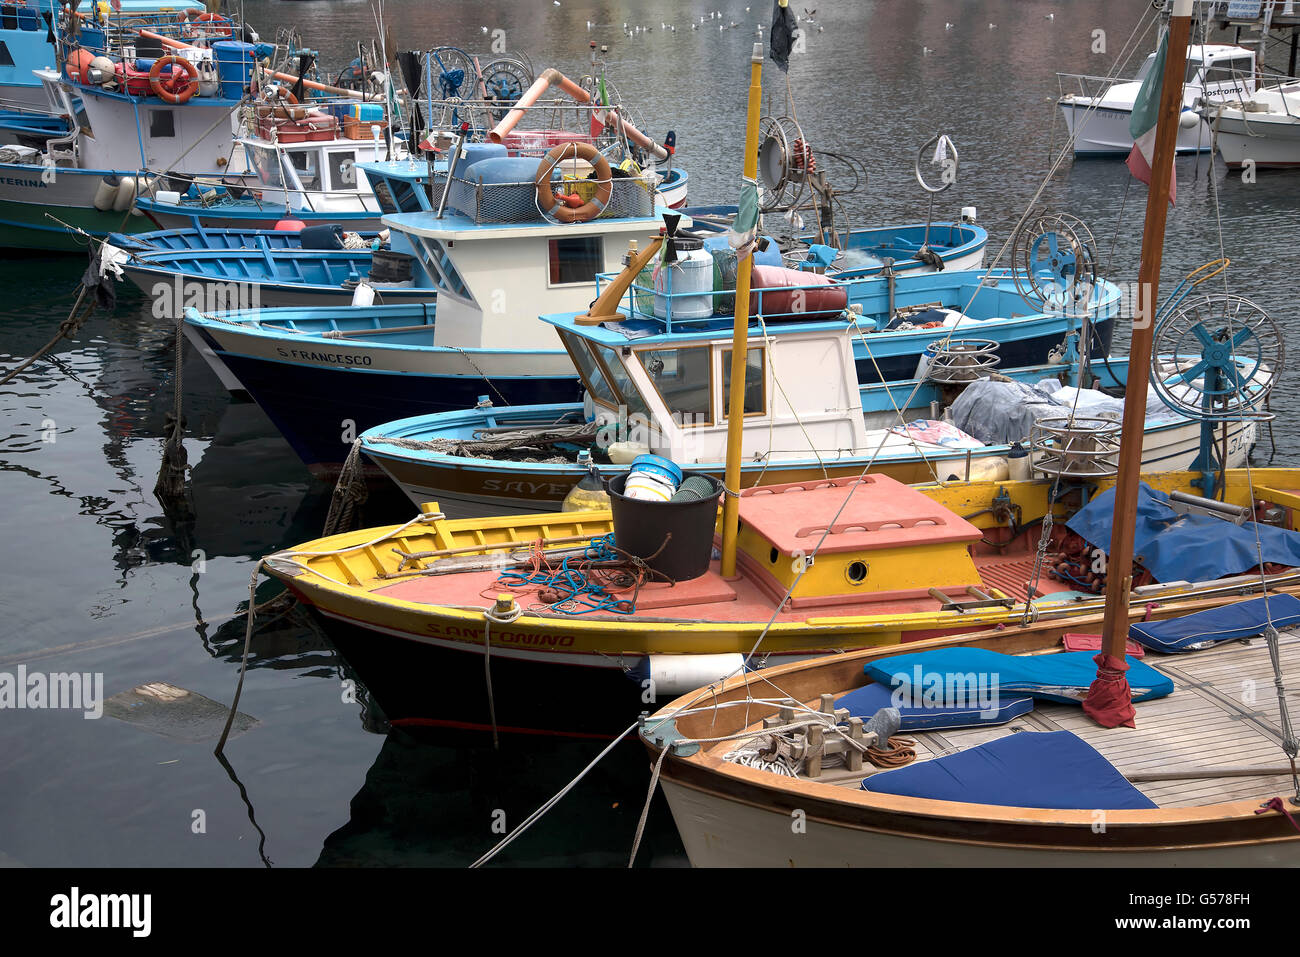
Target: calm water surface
<point>94,577</point>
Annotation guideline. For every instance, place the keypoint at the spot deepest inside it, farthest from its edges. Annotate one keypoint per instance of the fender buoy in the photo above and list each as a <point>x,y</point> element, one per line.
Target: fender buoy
<point>279,110</point>
<point>553,205</point>
<point>288,225</point>
<point>160,89</point>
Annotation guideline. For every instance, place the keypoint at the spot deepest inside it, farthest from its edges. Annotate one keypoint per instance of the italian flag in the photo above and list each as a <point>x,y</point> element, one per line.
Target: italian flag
<point>600,117</point>
<point>1142,124</point>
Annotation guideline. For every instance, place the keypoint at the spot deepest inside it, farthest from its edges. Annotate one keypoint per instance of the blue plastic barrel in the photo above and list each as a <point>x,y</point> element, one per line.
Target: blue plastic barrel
<point>234,59</point>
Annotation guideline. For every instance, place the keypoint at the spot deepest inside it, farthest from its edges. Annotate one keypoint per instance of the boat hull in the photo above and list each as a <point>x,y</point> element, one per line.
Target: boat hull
<point>1267,142</point>
<point>729,829</point>
<point>489,487</point>
<point>267,294</point>
<point>1104,131</point>
<point>321,396</point>
<point>30,206</point>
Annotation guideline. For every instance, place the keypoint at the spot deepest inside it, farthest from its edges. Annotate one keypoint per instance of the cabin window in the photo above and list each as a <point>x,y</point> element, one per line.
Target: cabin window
<point>1230,71</point>
<point>755,381</point>
<point>304,164</point>
<point>343,169</point>
<point>267,164</point>
<point>1193,70</point>
<point>576,260</point>
<point>6,58</point>
<point>593,378</point>
<point>162,123</point>
<point>622,382</point>
<point>442,269</point>
<point>684,379</point>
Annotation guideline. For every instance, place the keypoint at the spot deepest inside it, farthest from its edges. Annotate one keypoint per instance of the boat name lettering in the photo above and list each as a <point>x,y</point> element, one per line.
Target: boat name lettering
<point>331,358</point>
<point>35,183</point>
<point>497,485</point>
<point>506,637</point>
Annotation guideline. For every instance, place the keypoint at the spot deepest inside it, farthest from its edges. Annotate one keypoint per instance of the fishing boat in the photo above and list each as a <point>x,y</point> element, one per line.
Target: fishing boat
<point>1025,747</point>
<point>796,428</point>
<point>1097,109</point>
<point>319,265</point>
<point>890,563</point>
<point>166,130</point>
<point>1261,129</point>
<point>494,345</point>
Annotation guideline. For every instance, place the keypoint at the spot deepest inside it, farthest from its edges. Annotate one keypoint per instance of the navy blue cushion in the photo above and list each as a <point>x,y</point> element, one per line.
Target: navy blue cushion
<point>1204,628</point>
<point>865,701</point>
<point>1060,677</point>
<point>1050,769</point>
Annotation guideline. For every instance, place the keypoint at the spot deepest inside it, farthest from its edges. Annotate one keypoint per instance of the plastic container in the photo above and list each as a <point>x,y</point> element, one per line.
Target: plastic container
<point>234,59</point>
<point>507,194</point>
<point>589,494</point>
<point>689,282</point>
<point>640,528</point>
<point>652,478</point>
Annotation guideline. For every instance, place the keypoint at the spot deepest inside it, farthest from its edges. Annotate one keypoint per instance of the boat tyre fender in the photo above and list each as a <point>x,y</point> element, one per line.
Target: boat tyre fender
<point>280,110</point>
<point>550,203</point>
<point>159,87</point>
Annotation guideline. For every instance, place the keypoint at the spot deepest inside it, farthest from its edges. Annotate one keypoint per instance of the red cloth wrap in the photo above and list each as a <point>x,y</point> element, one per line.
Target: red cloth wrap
<point>1110,700</point>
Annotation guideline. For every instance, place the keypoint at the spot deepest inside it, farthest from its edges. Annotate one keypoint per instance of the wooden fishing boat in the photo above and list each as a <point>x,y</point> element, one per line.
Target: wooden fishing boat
<point>1200,773</point>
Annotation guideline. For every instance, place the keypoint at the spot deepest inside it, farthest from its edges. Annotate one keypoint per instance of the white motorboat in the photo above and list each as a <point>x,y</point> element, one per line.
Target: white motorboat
<point>1097,112</point>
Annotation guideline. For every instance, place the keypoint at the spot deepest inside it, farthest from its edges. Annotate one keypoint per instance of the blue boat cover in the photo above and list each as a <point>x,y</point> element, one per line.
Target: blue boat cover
<point>1177,547</point>
<point>1058,677</point>
<point>865,701</point>
<point>1204,628</point>
<point>1043,769</point>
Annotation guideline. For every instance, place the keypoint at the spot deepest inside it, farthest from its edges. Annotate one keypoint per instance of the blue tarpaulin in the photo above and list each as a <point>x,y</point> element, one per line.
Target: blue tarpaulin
<point>1050,769</point>
<point>946,673</point>
<point>1176,547</point>
<point>1241,619</point>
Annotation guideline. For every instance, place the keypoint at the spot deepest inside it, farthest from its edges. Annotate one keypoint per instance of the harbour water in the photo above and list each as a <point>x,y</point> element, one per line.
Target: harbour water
<point>96,578</point>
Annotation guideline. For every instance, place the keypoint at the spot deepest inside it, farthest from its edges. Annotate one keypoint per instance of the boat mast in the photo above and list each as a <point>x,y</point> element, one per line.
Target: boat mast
<point>740,337</point>
<point>1119,575</point>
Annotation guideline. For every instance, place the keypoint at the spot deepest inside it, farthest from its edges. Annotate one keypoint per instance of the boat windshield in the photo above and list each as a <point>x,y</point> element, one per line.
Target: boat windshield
<point>623,384</point>
<point>684,380</point>
<point>1189,76</point>
<point>593,377</point>
<point>755,403</point>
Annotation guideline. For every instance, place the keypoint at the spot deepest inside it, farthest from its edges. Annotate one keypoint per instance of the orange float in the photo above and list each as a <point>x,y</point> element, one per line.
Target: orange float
<point>159,87</point>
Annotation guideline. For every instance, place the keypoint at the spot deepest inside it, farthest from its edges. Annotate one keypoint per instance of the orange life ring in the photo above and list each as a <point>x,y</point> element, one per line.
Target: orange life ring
<point>562,211</point>
<point>280,111</point>
<point>156,81</point>
<point>188,20</point>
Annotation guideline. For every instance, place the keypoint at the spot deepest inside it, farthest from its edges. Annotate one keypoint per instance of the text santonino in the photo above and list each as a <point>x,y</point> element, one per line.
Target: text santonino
<point>76,691</point>
<point>78,910</point>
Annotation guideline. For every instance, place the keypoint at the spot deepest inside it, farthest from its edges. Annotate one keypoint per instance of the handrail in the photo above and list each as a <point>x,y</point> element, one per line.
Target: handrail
<point>543,83</point>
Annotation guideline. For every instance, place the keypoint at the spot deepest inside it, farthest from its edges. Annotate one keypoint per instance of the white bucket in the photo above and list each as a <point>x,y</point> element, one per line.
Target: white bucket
<point>648,487</point>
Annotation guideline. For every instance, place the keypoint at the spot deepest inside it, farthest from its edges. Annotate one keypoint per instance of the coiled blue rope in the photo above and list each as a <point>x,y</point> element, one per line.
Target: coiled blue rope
<point>581,595</point>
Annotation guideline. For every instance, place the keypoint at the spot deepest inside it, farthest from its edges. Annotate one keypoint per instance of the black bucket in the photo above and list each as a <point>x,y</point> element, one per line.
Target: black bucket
<point>640,527</point>
<point>389,266</point>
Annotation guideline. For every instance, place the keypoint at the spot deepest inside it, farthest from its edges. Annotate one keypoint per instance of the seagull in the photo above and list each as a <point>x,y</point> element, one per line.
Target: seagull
<point>947,26</point>
<point>925,51</point>
<point>1050,16</point>
<point>993,26</point>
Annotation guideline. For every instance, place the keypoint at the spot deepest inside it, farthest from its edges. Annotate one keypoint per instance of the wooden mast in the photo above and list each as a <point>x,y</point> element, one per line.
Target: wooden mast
<point>1119,573</point>
<point>740,337</point>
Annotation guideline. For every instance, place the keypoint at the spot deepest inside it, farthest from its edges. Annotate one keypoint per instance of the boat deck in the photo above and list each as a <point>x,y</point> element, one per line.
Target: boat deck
<point>1223,713</point>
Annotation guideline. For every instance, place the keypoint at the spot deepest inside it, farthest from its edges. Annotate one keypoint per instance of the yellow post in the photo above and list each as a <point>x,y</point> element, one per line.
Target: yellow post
<point>740,336</point>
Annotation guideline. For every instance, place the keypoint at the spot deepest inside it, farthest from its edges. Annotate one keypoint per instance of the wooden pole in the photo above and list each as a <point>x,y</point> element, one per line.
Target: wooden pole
<point>1119,571</point>
<point>740,337</point>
